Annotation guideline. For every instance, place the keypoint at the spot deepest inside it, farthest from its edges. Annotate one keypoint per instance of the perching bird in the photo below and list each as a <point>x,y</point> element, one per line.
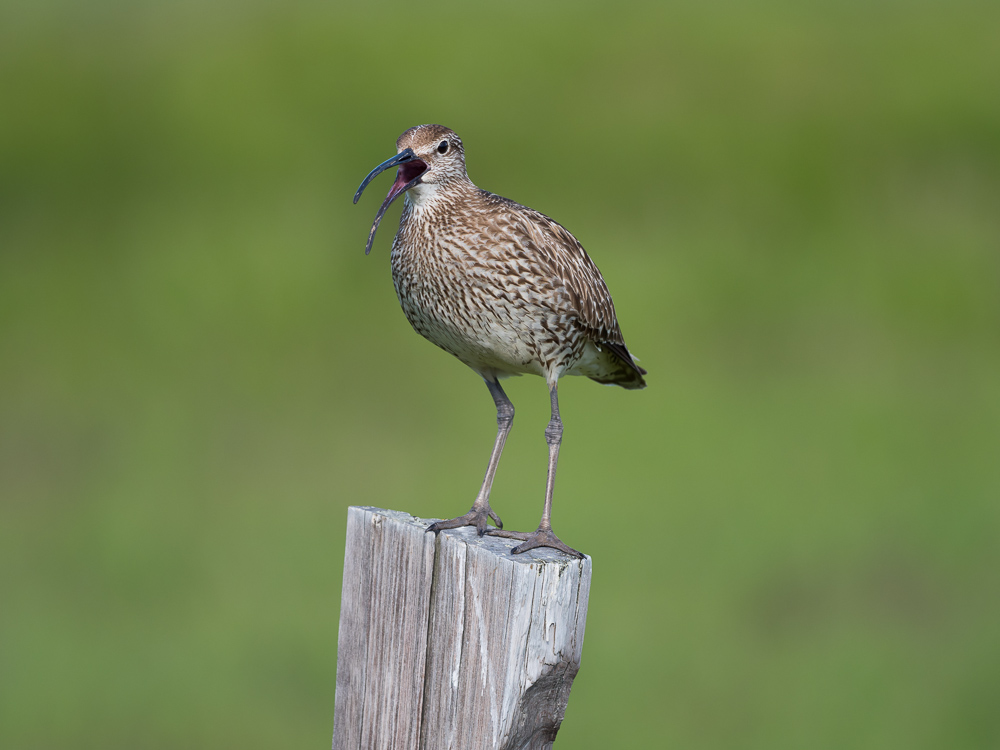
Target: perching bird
<point>503,288</point>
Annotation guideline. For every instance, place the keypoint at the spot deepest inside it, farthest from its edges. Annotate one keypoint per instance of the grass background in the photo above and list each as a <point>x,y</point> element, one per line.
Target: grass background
<point>795,528</point>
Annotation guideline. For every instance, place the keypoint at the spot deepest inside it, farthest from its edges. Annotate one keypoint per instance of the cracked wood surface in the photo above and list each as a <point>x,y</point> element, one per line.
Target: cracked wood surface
<point>452,643</point>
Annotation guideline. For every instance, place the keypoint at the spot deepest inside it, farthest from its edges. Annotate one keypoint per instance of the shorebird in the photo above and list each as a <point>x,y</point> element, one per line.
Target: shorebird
<point>503,288</point>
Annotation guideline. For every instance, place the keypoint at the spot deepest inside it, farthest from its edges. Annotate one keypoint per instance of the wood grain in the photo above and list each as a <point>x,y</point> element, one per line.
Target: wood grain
<point>452,642</point>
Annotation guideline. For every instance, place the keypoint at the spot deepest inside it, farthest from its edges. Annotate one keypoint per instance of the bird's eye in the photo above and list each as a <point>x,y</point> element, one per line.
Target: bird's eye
<point>443,147</point>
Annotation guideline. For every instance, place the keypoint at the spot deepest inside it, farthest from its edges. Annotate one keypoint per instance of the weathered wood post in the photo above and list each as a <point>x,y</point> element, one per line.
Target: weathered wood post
<point>452,643</point>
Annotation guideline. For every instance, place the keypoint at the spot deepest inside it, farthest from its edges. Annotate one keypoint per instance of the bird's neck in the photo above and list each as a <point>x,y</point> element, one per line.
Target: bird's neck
<point>432,196</point>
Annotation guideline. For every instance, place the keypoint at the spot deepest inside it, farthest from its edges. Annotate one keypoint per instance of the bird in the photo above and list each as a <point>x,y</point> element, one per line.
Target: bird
<point>503,288</point>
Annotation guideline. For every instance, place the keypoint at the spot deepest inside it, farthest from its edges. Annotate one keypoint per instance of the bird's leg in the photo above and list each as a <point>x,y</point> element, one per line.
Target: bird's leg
<point>544,537</point>
<point>481,510</point>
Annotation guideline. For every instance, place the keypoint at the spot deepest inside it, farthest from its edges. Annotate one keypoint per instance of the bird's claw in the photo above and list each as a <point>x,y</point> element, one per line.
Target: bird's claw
<point>539,538</point>
<point>496,520</point>
<point>476,517</point>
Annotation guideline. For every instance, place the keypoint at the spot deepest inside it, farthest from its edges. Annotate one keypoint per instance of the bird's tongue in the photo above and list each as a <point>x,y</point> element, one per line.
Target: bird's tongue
<point>397,187</point>
<point>404,174</point>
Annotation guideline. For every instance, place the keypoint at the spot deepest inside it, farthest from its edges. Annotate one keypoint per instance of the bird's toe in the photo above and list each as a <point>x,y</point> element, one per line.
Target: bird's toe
<point>496,520</point>
<point>476,517</point>
<point>540,538</point>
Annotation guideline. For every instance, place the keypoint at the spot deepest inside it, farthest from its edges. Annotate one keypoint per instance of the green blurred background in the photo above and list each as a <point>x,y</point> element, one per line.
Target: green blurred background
<point>796,527</point>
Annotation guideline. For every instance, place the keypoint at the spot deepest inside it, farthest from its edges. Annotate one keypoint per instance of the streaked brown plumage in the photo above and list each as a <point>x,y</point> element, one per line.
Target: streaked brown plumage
<point>502,287</point>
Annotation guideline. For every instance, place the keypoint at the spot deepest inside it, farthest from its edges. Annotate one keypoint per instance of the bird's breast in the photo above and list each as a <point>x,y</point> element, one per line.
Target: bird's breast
<point>477,297</point>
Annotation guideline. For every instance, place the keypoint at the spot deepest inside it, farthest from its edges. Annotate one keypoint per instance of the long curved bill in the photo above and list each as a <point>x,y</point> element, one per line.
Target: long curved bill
<point>410,169</point>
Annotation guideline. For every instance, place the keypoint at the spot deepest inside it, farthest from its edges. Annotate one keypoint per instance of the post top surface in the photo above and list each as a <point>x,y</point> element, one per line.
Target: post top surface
<point>496,545</point>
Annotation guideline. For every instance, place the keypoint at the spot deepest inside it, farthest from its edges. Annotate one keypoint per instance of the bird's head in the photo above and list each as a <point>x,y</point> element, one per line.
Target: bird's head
<point>428,158</point>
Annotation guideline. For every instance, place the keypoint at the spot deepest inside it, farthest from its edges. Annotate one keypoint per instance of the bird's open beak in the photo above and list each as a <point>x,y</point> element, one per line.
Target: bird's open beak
<point>410,170</point>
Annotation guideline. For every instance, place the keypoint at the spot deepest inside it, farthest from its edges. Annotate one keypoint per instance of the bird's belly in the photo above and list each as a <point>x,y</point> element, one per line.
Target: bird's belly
<point>488,340</point>
<point>492,330</point>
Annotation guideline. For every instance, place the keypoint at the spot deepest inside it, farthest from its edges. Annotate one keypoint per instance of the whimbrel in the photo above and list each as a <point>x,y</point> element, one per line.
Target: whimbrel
<point>503,288</point>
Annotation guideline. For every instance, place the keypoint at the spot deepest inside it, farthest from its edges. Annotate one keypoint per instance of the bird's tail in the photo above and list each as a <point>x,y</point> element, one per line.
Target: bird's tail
<point>627,374</point>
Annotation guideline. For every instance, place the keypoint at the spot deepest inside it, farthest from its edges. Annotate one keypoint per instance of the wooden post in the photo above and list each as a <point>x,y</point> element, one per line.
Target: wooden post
<point>451,642</point>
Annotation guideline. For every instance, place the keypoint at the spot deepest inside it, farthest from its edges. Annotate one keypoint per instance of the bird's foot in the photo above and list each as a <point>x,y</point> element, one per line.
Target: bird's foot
<point>540,538</point>
<point>477,516</point>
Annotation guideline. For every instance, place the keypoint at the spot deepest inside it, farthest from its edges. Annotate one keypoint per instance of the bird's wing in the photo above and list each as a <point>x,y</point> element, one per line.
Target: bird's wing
<point>567,264</point>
